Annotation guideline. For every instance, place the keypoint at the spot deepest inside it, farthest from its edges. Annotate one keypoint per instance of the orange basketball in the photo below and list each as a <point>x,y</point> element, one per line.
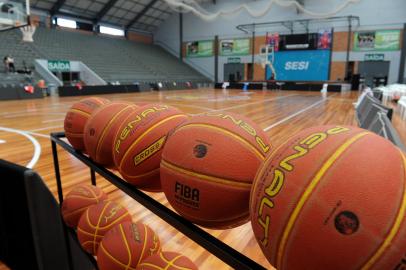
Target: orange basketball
<point>332,197</point>
<point>78,200</point>
<point>102,127</point>
<point>76,119</point>
<point>167,261</point>
<point>97,220</point>
<point>126,245</point>
<point>208,166</point>
<point>139,142</point>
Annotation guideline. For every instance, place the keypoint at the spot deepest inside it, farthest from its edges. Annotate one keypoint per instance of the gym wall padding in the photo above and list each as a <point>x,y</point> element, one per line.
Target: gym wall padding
<point>16,93</point>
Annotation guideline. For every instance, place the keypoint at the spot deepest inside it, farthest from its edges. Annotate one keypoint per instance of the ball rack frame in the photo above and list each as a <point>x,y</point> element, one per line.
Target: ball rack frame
<point>216,247</point>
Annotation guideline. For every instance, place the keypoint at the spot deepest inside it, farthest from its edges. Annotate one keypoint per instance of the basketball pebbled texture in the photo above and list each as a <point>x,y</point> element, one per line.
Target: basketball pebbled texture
<point>168,261</point>
<point>76,119</point>
<point>332,197</point>
<point>139,142</point>
<point>101,128</point>
<point>78,200</point>
<point>208,166</point>
<point>126,245</point>
<point>96,221</point>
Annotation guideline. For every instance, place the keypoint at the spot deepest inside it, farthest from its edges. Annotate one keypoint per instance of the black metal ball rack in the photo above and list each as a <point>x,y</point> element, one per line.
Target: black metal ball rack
<point>216,247</point>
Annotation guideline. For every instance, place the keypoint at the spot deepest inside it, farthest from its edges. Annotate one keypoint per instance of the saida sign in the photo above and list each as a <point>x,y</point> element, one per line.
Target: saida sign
<point>59,65</point>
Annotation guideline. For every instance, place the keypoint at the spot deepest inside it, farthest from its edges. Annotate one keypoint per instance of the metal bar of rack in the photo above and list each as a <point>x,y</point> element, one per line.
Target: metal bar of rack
<point>216,247</point>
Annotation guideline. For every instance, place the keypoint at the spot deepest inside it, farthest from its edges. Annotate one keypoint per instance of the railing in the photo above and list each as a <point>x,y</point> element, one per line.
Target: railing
<point>219,249</point>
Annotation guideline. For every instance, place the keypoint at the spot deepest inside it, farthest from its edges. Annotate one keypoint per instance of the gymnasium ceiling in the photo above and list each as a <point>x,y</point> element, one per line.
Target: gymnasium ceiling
<point>144,15</point>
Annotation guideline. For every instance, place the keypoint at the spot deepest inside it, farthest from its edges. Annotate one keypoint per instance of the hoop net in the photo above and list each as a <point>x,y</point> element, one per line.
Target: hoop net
<point>28,33</point>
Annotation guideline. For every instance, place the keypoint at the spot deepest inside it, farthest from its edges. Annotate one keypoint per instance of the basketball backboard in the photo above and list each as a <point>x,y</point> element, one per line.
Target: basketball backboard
<point>13,14</point>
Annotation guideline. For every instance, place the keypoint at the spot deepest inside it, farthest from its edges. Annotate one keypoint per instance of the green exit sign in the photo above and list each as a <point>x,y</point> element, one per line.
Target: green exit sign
<point>59,65</point>
<point>234,60</point>
<point>374,57</point>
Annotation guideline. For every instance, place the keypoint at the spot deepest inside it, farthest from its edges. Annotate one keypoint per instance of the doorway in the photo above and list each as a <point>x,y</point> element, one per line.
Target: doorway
<point>233,72</point>
<point>374,72</point>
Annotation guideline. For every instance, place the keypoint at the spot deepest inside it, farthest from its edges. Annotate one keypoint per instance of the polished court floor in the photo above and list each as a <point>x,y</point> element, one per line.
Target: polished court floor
<point>25,127</point>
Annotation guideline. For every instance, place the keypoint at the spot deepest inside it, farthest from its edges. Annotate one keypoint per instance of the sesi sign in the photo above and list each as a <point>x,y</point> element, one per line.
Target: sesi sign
<point>296,65</point>
<point>303,65</point>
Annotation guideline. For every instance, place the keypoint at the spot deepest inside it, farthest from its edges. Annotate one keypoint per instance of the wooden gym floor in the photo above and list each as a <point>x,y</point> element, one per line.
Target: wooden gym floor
<point>279,113</point>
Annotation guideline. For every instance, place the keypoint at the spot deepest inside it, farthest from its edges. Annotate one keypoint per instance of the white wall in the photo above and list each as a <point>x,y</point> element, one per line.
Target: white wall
<point>374,14</point>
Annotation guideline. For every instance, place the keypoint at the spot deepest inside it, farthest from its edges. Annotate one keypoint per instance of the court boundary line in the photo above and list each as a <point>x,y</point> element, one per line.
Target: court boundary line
<point>246,104</point>
<point>297,113</point>
<point>53,120</point>
<point>44,128</point>
<point>37,146</point>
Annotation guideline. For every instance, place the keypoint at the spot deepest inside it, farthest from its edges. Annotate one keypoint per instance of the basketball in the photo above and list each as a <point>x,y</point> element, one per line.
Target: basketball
<point>168,261</point>
<point>139,142</point>
<point>97,220</point>
<point>78,200</point>
<point>76,118</point>
<point>101,129</point>
<point>208,157</point>
<point>331,197</point>
<point>126,245</point>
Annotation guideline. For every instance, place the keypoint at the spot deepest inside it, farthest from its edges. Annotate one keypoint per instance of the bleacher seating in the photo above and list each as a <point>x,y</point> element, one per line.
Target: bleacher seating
<point>371,114</point>
<point>113,59</point>
<point>12,45</point>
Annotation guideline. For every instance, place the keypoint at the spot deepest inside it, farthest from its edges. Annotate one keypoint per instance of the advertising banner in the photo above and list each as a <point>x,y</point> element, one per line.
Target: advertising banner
<point>273,40</point>
<point>203,48</point>
<point>385,40</point>
<point>324,39</point>
<point>301,65</point>
<point>235,47</point>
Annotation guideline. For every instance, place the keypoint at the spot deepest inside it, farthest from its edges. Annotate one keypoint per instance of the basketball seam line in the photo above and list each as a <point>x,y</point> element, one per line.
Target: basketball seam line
<point>171,263</point>
<point>112,224</point>
<point>126,245</point>
<point>79,111</point>
<point>66,215</point>
<point>150,265</point>
<point>144,244</point>
<point>93,193</point>
<point>99,100</point>
<point>106,127</point>
<point>112,258</point>
<point>88,233</point>
<point>233,135</point>
<point>134,143</point>
<point>140,175</point>
<point>210,178</point>
<point>396,225</point>
<point>98,223</point>
<point>308,191</point>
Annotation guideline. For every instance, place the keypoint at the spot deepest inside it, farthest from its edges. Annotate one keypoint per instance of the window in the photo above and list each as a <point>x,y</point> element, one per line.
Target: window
<point>111,31</point>
<point>66,23</point>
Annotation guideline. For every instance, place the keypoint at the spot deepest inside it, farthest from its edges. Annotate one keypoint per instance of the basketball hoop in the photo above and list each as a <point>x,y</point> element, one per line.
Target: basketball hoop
<point>267,57</point>
<point>28,33</point>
